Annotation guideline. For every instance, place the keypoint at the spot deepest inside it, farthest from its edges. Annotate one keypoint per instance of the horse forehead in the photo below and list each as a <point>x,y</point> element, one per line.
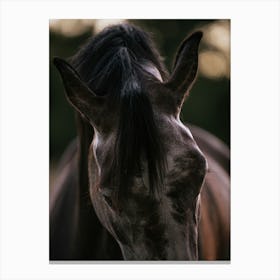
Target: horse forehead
<point>179,143</point>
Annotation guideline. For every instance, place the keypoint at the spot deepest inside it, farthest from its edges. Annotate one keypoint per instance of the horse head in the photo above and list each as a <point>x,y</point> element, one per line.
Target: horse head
<point>145,169</point>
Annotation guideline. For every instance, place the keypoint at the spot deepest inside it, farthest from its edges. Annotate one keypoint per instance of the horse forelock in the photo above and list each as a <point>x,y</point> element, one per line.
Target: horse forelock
<point>116,63</point>
<point>94,58</point>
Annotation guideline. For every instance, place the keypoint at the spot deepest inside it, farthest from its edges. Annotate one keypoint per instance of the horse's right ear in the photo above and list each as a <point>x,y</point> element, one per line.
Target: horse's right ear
<point>79,95</point>
<point>185,67</point>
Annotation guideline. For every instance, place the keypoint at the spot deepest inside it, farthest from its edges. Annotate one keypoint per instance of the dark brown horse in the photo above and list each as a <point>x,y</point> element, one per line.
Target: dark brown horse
<point>137,184</point>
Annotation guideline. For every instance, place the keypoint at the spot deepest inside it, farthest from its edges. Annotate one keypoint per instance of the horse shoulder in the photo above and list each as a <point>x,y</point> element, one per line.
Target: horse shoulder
<point>214,226</point>
<point>63,209</point>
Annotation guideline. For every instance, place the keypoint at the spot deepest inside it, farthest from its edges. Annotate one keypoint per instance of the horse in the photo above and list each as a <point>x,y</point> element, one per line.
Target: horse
<point>137,183</point>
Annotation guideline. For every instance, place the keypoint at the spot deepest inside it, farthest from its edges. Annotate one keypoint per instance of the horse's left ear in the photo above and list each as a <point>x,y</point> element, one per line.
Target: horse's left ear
<point>185,67</point>
<point>79,95</point>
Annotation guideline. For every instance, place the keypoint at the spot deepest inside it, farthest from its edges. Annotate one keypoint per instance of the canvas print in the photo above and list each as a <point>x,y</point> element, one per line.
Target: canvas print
<point>139,140</point>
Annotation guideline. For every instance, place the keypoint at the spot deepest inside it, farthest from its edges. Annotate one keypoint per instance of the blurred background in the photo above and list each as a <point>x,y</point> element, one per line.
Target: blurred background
<point>208,105</point>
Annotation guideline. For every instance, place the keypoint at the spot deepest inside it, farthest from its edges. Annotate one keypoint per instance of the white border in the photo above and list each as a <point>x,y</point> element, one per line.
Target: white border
<point>254,128</point>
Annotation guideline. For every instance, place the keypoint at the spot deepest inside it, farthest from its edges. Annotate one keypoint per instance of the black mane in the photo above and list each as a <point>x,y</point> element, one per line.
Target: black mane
<point>111,63</point>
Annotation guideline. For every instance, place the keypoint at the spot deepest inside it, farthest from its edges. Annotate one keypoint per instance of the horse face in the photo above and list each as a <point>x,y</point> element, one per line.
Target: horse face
<point>148,227</point>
